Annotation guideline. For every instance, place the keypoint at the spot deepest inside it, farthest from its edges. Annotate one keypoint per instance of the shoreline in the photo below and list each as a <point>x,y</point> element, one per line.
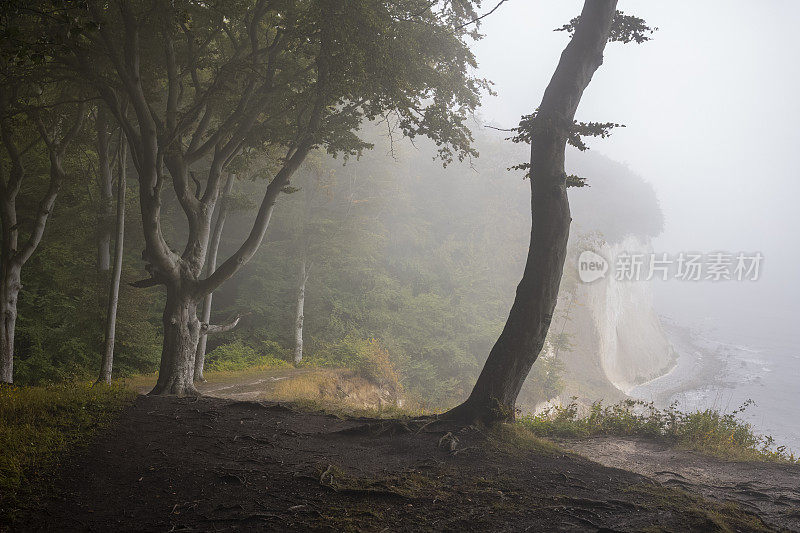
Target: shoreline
<point>697,365</point>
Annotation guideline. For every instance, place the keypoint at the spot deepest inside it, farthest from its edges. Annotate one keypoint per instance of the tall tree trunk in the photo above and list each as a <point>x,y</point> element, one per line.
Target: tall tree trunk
<point>13,256</point>
<point>9,291</point>
<point>113,296</point>
<point>495,393</point>
<point>105,187</point>
<point>301,299</point>
<point>9,269</point>
<point>181,335</point>
<point>213,248</point>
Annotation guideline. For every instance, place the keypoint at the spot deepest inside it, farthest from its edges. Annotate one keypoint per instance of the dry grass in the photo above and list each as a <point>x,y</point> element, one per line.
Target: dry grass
<point>144,382</point>
<point>319,385</point>
<point>340,392</point>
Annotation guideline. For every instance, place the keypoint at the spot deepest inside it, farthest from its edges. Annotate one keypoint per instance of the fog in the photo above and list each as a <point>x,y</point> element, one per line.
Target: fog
<point>708,105</point>
<point>328,283</point>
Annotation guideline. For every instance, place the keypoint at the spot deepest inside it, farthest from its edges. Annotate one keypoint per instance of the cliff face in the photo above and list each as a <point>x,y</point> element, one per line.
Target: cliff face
<point>616,338</point>
<point>630,342</point>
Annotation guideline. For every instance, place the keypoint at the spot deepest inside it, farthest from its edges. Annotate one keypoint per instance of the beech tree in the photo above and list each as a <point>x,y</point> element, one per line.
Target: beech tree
<point>213,250</point>
<point>206,80</point>
<point>105,189</point>
<point>104,242</point>
<point>318,230</point>
<point>27,120</point>
<point>304,270</point>
<point>548,130</point>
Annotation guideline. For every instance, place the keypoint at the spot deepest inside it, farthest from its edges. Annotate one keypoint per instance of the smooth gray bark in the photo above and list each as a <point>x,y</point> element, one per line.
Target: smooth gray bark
<point>495,393</point>
<point>113,291</point>
<point>213,248</point>
<point>185,291</point>
<point>211,329</point>
<point>9,292</point>
<point>299,310</point>
<point>181,334</point>
<point>106,189</point>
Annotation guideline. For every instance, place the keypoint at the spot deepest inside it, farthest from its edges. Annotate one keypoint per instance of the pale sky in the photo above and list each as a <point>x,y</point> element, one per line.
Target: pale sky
<point>711,107</point>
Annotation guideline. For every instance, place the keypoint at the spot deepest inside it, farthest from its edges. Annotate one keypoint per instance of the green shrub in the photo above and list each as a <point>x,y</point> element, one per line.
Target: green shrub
<point>709,431</point>
<point>366,357</point>
<point>37,424</point>
<point>240,356</point>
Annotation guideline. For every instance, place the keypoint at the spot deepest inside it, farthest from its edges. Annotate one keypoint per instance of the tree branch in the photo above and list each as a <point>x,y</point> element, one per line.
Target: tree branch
<point>211,329</point>
<point>145,283</point>
<point>57,175</point>
<point>473,21</point>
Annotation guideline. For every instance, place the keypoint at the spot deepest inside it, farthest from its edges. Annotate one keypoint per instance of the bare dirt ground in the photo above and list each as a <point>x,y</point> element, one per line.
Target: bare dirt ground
<point>771,490</point>
<point>233,461</point>
<point>213,464</point>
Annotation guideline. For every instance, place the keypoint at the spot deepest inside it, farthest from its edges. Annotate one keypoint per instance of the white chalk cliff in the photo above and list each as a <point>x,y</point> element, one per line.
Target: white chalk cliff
<point>630,343</point>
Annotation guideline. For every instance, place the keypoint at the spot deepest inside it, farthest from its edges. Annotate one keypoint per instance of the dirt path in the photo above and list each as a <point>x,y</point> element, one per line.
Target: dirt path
<point>771,490</point>
<point>244,386</point>
<point>250,386</point>
<point>213,464</point>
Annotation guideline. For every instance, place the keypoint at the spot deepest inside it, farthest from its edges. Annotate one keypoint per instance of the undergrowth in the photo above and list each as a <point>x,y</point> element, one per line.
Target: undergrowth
<point>38,424</point>
<point>237,356</point>
<point>709,431</point>
<point>341,392</point>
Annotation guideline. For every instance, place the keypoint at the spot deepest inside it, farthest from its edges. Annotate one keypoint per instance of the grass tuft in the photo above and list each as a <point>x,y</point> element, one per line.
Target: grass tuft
<point>515,438</point>
<point>39,424</point>
<point>718,434</point>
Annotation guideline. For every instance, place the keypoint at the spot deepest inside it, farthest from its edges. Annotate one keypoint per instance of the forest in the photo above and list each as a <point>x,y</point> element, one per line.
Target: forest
<point>267,265</point>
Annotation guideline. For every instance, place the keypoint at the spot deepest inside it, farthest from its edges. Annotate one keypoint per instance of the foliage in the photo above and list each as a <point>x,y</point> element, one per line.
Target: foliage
<point>422,259</point>
<point>579,130</point>
<point>545,381</point>
<point>398,255</point>
<point>39,424</point>
<point>625,29</point>
<point>401,255</point>
<point>720,434</point>
<point>366,356</point>
<point>239,356</point>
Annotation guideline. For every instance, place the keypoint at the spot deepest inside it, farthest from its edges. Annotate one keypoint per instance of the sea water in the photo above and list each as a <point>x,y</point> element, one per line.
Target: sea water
<point>745,358</point>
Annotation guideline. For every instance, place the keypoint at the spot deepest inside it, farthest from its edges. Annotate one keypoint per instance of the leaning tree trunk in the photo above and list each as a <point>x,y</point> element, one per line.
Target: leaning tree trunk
<point>298,321</point>
<point>510,360</point>
<point>9,291</point>
<point>113,296</point>
<point>213,248</point>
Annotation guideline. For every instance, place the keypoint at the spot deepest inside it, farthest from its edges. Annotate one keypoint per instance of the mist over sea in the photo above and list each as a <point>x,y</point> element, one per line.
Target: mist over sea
<point>729,354</point>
